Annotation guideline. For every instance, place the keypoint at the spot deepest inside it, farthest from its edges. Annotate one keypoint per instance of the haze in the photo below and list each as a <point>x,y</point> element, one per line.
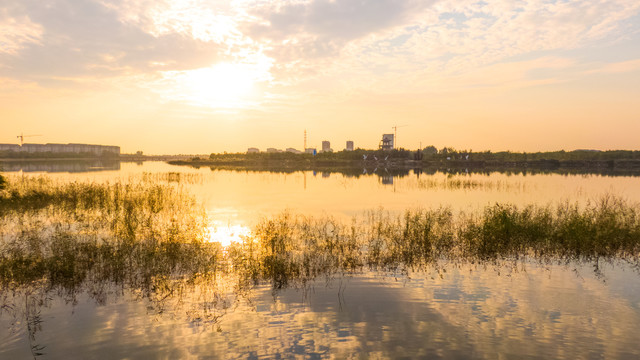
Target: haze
<point>211,76</point>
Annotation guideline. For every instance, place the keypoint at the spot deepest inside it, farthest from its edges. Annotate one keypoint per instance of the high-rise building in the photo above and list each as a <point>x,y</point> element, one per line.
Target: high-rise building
<point>326,146</point>
<point>349,146</point>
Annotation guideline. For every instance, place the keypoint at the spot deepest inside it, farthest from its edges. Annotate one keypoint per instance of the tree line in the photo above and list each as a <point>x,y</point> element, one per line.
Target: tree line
<point>431,153</point>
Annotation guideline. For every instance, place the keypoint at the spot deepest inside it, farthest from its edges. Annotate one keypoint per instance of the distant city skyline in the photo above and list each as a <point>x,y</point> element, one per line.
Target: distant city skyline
<point>196,77</point>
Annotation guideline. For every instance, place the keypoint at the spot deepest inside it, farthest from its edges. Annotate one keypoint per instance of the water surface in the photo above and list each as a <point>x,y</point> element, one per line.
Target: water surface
<point>510,309</point>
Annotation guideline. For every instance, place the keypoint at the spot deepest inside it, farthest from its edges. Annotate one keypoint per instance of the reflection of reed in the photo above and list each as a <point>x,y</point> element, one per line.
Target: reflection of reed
<point>151,240</point>
<point>172,177</point>
<point>462,183</point>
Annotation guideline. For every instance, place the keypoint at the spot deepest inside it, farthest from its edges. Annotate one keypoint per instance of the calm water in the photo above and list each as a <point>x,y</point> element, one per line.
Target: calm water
<point>458,311</point>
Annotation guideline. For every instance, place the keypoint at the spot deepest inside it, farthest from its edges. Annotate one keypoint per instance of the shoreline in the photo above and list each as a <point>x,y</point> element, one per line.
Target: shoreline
<point>622,165</point>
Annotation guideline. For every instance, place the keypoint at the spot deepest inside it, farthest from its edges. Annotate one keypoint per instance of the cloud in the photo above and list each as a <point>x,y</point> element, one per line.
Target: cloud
<point>17,33</point>
<point>336,45</point>
<point>446,38</point>
<point>84,38</point>
<point>345,20</point>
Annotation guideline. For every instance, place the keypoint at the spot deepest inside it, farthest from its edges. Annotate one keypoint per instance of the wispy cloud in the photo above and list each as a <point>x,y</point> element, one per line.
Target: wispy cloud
<point>372,45</point>
<point>17,32</point>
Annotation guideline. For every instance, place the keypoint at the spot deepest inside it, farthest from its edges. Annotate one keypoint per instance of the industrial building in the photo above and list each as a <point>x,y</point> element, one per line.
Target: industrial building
<point>62,148</point>
<point>387,142</point>
<point>253,150</point>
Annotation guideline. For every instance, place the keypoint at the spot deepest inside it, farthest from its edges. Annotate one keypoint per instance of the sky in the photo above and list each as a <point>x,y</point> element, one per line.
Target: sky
<point>196,76</point>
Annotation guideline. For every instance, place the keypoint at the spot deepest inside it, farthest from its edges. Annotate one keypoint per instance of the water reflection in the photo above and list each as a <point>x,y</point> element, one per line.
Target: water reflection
<point>226,235</point>
<point>70,166</point>
<point>465,313</point>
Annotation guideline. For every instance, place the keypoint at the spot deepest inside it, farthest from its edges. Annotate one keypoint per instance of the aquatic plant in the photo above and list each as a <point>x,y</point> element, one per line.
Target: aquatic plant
<point>152,240</point>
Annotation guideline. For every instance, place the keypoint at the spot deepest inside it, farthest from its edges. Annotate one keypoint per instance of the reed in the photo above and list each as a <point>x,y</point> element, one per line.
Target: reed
<point>72,236</point>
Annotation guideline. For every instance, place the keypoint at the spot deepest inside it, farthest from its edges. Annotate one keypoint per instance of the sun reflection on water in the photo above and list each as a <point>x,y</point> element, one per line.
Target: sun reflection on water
<point>227,234</point>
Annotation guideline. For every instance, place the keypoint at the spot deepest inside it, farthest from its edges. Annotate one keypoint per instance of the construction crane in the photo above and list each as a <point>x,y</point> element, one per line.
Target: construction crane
<point>22,136</point>
<point>395,135</point>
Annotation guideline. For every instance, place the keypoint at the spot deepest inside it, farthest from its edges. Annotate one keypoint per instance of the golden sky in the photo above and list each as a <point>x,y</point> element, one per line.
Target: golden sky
<point>202,76</point>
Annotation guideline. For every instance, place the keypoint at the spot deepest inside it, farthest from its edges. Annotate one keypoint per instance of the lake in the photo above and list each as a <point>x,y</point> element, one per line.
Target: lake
<point>398,307</point>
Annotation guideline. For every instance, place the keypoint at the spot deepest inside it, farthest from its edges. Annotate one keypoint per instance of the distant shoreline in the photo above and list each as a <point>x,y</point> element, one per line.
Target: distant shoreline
<point>123,158</point>
<point>599,166</point>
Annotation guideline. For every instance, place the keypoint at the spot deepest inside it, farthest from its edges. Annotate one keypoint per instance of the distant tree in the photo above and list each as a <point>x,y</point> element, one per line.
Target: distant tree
<point>430,150</point>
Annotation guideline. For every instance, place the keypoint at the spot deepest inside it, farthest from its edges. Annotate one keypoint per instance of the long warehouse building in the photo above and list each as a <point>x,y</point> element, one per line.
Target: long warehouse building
<point>62,148</point>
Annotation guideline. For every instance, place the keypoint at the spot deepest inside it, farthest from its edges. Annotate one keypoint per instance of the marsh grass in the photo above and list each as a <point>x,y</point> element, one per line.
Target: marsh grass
<point>152,241</point>
<point>289,249</point>
<point>127,233</point>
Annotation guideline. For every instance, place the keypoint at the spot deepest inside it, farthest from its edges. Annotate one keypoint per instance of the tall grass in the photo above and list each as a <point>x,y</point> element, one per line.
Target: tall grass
<point>290,249</point>
<point>127,233</point>
<point>152,239</point>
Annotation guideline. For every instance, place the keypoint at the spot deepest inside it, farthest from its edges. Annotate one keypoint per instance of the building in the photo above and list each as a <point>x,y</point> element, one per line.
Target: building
<point>311,151</point>
<point>349,146</point>
<point>387,142</point>
<point>63,148</point>
<point>253,150</point>
<point>9,147</point>
<point>326,146</point>
<point>294,151</point>
<point>273,150</point>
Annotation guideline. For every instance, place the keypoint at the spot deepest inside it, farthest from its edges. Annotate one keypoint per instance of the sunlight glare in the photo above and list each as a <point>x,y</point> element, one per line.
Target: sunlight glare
<point>223,85</point>
<point>225,235</point>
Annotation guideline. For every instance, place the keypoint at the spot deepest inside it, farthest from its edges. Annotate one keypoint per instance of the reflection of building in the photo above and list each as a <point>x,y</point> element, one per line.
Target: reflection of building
<point>326,146</point>
<point>349,146</point>
<point>387,142</point>
<point>253,150</point>
<point>53,166</point>
<point>387,179</point>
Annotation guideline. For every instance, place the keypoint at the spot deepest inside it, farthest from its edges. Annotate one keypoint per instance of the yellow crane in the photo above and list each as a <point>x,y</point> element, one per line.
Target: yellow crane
<point>22,136</point>
<point>395,135</point>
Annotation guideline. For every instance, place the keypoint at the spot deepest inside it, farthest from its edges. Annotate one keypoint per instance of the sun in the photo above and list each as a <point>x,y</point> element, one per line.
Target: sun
<point>222,85</point>
<point>220,82</point>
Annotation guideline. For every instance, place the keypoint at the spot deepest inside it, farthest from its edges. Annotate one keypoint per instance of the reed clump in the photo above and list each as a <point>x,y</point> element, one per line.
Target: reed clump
<point>288,249</point>
<point>70,235</point>
<point>607,228</point>
<point>137,235</point>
